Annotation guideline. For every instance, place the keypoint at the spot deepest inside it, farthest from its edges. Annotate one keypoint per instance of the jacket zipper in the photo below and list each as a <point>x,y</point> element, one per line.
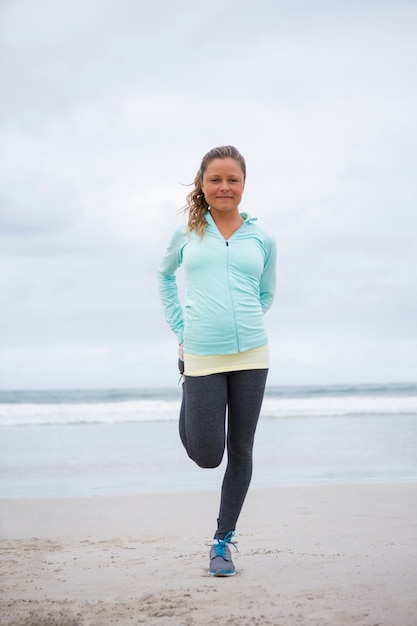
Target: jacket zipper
<point>231,297</point>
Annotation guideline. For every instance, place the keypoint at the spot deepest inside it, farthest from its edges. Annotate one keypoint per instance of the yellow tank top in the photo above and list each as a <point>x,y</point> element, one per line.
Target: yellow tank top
<point>254,359</point>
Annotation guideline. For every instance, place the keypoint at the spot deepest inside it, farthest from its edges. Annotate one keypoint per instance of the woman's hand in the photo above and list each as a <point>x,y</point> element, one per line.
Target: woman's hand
<point>181,358</point>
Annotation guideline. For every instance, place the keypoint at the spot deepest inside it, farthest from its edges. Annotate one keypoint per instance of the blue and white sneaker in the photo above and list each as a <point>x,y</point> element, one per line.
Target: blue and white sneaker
<point>221,563</point>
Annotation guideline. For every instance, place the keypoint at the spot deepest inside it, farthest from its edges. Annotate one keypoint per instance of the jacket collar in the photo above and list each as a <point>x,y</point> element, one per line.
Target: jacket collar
<point>247,219</point>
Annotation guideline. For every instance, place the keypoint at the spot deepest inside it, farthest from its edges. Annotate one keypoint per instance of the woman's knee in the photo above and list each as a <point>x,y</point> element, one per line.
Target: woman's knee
<point>206,458</point>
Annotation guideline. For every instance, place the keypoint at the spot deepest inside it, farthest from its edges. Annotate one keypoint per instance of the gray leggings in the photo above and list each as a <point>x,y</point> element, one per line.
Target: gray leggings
<point>203,431</point>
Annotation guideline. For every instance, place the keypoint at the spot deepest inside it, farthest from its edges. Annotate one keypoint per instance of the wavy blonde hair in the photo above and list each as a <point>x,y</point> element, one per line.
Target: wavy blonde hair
<point>197,206</point>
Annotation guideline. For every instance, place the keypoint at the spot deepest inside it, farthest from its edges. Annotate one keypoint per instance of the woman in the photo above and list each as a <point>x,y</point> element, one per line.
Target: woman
<point>229,265</point>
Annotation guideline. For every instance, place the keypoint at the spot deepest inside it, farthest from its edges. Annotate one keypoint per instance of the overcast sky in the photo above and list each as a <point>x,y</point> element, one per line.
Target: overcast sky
<point>107,107</point>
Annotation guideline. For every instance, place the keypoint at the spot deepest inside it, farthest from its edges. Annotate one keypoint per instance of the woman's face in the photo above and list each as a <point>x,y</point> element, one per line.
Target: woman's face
<point>223,183</point>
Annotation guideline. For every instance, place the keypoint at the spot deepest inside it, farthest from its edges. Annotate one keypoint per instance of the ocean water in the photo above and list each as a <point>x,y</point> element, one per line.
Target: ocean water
<point>118,442</point>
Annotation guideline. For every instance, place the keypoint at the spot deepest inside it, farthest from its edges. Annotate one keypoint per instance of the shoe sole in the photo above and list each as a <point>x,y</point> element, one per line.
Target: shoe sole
<point>221,574</point>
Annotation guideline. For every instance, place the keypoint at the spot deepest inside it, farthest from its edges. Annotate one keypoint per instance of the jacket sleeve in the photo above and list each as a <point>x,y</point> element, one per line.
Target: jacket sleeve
<point>167,283</point>
<point>268,277</point>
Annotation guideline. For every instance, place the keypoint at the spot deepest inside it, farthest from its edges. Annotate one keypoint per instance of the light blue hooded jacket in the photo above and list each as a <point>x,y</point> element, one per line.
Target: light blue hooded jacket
<point>229,284</point>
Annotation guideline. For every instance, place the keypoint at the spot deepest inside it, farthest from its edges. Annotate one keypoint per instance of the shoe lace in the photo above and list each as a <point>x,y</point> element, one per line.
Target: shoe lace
<point>220,547</point>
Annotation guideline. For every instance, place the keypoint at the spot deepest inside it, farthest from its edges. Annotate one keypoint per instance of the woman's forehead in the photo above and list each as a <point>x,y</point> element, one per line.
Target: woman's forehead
<point>224,166</point>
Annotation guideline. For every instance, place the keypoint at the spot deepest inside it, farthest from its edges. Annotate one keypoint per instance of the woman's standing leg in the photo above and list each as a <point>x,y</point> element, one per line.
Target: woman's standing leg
<point>245,395</point>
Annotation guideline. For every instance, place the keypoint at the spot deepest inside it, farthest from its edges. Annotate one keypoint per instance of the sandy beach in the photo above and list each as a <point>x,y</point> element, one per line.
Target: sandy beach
<point>328,555</point>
